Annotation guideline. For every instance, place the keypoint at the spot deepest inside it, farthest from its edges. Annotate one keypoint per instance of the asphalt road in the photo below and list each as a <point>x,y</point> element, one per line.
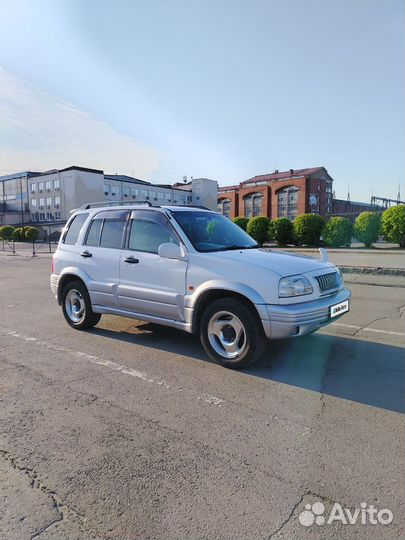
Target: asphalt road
<point>129,431</point>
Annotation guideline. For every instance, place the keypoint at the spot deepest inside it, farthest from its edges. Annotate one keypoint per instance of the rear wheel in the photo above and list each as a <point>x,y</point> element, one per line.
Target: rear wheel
<point>232,333</point>
<point>76,306</point>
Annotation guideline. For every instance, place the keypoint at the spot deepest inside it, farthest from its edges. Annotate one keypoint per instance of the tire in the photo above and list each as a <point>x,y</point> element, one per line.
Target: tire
<point>221,323</point>
<point>76,306</point>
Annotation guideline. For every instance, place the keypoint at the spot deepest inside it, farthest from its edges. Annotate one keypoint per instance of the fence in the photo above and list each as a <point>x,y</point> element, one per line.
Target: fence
<point>40,245</point>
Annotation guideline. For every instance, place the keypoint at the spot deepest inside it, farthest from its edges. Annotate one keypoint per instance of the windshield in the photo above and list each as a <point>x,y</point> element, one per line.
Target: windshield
<point>208,231</point>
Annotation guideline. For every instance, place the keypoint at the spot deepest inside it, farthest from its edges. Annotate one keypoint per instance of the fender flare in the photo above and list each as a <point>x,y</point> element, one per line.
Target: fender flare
<point>72,271</point>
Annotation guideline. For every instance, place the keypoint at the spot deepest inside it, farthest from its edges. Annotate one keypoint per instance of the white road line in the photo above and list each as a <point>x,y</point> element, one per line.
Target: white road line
<point>201,396</point>
<point>369,329</point>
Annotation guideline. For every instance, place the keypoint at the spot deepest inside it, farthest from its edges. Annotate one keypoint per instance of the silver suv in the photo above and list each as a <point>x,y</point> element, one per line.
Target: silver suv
<point>195,270</point>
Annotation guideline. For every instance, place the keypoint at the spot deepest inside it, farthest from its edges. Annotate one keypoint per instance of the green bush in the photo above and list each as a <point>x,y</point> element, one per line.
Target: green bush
<point>393,225</point>
<point>281,231</point>
<point>6,231</point>
<point>241,222</point>
<point>17,234</point>
<point>308,228</point>
<point>338,232</point>
<point>31,234</point>
<point>258,228</point>
<point>25,229</point>
<point>366,227</point>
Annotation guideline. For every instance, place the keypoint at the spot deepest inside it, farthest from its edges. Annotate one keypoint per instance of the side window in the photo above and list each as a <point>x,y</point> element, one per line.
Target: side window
<point>93,234</point>
<point>72,233</point>
<point>148,230</point>
<point>107,229</point>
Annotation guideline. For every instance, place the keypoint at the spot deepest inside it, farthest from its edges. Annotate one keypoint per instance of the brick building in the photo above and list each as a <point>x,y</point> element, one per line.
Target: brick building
<point>279,194</point>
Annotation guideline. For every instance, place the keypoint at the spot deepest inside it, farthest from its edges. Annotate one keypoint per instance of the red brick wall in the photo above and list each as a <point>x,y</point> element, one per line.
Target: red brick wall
<point>302,196</point>
<point>266,204</point>
<point>234,197</point>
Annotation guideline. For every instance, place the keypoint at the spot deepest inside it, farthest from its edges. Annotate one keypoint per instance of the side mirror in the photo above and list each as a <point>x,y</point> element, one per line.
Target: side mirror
<point>170,251</point>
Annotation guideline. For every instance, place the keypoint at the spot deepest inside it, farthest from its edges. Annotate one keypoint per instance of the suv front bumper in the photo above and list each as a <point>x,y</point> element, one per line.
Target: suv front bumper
<point>294,320</point>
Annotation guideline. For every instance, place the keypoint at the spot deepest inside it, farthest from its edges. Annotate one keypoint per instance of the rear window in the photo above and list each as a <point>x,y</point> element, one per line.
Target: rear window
<point>74,228</point>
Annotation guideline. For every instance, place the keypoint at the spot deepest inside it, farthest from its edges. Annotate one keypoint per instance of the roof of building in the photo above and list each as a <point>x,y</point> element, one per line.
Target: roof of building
<point>21,174</point>
<point>281,175</point>
<point>125,178</point>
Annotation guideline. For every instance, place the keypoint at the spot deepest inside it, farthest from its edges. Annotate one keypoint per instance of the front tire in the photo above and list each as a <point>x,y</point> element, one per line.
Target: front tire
<point>76,306</point>
<point>232,333</point>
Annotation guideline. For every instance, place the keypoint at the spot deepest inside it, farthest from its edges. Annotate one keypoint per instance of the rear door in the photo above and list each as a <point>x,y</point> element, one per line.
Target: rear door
<point>150,284</point>
<point>101,253</point>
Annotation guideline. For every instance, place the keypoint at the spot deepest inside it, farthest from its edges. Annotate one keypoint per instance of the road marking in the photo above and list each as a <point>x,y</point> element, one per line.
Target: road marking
<point>369,329</point>
<point>201,396</point>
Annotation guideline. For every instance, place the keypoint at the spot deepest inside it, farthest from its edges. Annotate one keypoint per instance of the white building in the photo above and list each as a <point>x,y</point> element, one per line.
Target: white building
<point>52,195</point>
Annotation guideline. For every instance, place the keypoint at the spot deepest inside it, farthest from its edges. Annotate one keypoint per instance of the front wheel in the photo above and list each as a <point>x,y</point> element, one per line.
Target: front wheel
<point>232,333</point>
<point>76,306</point>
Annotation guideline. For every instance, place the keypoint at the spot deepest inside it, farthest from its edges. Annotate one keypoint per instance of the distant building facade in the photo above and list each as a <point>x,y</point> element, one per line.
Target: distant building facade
<point>45,199</point>
<point>279,194</point>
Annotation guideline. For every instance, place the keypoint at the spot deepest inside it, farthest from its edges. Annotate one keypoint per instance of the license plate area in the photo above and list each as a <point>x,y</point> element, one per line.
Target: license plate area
<point>339,309</point>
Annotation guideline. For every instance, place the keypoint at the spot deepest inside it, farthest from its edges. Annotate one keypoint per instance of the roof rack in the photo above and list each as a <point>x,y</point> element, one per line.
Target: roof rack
<point>192,206</point>
<point>87,206</point>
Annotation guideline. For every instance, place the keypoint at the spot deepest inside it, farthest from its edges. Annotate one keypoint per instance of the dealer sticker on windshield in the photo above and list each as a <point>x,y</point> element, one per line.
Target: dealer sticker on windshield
<point>338,309</point>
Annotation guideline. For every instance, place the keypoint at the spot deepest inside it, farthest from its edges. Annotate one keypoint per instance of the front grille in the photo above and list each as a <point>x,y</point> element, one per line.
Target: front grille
<point>327,282</point>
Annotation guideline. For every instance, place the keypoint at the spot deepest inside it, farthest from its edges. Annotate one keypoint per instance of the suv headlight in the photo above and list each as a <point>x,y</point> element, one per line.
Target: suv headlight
<point>342,281</point>
<point>294,286</point>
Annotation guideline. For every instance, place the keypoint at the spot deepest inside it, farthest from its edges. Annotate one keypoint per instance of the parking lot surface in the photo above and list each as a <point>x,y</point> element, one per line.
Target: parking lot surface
<point>129,431</point>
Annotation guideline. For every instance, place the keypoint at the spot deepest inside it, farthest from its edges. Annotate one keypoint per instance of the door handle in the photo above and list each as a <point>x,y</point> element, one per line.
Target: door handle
<point>86,254</point>
<point>131,260</point>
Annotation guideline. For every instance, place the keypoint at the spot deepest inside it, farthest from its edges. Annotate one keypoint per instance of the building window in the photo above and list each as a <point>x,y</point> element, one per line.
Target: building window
<point>152,194</point>
<point>56,184</point>
<point>41,216</point>
<point>287,202</point>
<point>143,193</point>
<point>33,188</point>
<point>113,190</point>
<point>160,195</point>
<point>40,187</point>
<point>41,201</point>
<point>33,202</point>
<point>134,192</point>
<point>106,189</point>
<point>224,207</point>
<point>34,217</point>
<point>126,191</point>
<point>48,185</point>
<point>48,201</point>
<point>57,201</point>
<point>57,216</point>
<point>253,205</point>
<point>167,197</point>
<point>49,216</point>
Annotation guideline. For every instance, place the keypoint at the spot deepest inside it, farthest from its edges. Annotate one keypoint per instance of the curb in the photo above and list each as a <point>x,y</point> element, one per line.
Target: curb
<point>372,270</point>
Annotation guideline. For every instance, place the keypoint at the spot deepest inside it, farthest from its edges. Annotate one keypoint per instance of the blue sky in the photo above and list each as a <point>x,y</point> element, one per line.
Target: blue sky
<point>225,89</point>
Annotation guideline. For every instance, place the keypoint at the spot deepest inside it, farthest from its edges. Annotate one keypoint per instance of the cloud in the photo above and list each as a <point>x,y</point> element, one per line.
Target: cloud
<point>40,132</point>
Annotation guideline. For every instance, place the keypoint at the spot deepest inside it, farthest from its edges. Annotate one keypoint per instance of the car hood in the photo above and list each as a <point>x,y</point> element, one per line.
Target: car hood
<point>280,262</point>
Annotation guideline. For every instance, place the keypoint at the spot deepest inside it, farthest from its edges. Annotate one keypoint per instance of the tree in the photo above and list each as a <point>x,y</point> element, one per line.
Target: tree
<point>32,234</point>
<point>281,230</point>
<point>6,231</point>
<point>241,222</point>
<point>17,234</point>
<point>366,227</point>
<point>393,225</point>
<point>338,232</point>
<point>308,228</point>
<point>258,228</point>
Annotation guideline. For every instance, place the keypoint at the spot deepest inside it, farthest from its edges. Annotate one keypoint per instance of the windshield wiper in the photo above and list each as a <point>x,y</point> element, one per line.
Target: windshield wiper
<point>234,247</point>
